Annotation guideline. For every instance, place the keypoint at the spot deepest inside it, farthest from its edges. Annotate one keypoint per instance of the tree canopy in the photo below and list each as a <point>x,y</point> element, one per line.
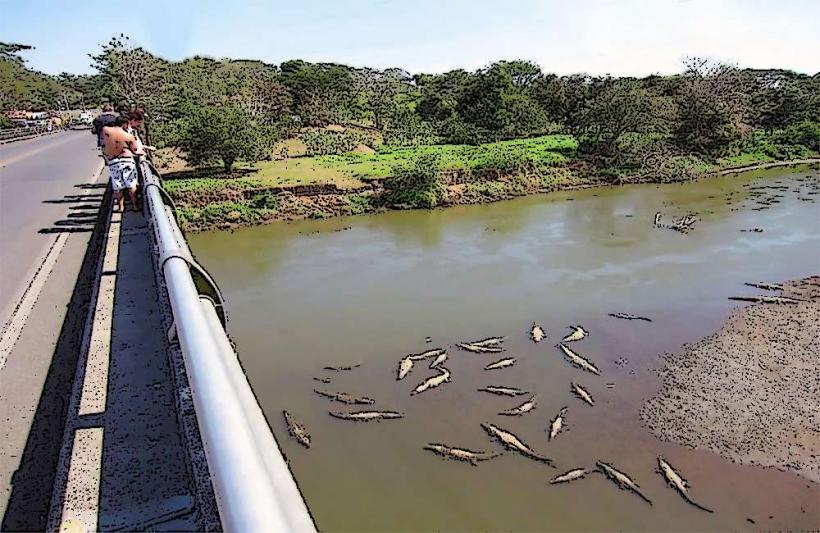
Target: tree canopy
<point>705,108</point>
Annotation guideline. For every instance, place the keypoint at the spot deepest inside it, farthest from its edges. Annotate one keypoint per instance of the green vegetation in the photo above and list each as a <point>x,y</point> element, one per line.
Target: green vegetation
<point>332,142</point>
<point>23,88</point>
<point>416,183</point>
<point>353,170</point>
<point>217,213</point>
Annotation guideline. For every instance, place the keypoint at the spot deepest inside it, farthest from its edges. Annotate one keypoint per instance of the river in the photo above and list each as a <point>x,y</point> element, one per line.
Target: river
<point>368,290</point>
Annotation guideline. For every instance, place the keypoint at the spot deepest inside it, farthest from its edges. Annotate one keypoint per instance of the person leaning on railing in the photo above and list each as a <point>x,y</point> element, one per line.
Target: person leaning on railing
<point>136,119</point>
<point>119,149</point>
<point>106,118</point>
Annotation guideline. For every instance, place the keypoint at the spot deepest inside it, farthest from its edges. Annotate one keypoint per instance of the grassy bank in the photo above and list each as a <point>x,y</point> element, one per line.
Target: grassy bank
<point>355,182</point>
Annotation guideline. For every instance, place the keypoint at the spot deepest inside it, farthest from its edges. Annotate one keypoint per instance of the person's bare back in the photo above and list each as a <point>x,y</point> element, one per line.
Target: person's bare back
<point>118,143</point>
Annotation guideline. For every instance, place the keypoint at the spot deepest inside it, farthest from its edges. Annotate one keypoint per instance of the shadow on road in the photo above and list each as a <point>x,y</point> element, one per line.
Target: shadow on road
<point>50,231</point>
<point>33,481</point>
<point>75,198</point>
<point>77,221</point>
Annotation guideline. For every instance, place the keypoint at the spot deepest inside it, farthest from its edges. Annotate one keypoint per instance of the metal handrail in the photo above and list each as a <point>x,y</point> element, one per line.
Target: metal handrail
<point>254,489</point>
<point>19,133</point>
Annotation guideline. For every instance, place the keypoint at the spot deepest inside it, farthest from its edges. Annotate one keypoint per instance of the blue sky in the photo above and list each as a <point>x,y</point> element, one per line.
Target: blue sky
<point>620,37</point>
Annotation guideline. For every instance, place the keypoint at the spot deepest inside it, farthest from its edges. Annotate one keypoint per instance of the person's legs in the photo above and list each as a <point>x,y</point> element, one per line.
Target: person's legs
<point>119,199</point>
<point>132,195</point>
<point>115,172</point>
<point>129,179</point>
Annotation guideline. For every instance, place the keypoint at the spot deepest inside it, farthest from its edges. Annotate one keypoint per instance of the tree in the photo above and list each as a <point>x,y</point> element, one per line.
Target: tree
<point>563,99</point>
<point>225,134</point>
<point>323,93</point>
<point>440,94</point>
<point>713,105</point>
<point>621,106</point>
<point>21,87</point>
<point>497,100</point>
<point>385,93</point>
<point>781,97</point>
<point>132,75</point>
<point>11,51</point>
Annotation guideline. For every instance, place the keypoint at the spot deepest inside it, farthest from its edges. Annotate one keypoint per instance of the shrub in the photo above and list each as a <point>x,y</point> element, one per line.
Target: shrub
<point>649,156</point>
<point>805,133</point>
<point>456,131</point>
<point>417,183</point>
<point>412,131</point>
<point>505,160</point>
<point>331,142</point>
<point>218,213</point>
<point>358,204</point>
<point>264,200</point>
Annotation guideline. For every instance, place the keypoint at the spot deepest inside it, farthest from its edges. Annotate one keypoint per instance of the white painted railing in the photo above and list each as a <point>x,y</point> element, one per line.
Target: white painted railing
<point>254,488</point>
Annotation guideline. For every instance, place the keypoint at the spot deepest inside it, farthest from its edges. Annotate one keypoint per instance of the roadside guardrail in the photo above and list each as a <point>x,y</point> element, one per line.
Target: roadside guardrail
<point>254,488</point>
<point>18,134</point>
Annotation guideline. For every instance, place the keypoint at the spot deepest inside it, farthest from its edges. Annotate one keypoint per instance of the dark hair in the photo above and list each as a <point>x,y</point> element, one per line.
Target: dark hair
<point>137,114</point>
<point>121,121</point>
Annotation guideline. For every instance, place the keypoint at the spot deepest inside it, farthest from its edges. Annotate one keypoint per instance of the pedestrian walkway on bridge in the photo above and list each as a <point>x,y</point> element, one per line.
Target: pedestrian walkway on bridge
<point>122,418</point>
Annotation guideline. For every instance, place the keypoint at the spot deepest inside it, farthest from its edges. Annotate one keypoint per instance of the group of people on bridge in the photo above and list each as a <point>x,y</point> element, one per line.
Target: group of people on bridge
<point>119,141</point>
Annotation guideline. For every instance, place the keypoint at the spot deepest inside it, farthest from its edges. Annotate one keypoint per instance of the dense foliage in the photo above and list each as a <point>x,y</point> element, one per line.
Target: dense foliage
<point>225,134</point>
<point>416,183</point>
<point>23,88</point>
<point>708,110</point>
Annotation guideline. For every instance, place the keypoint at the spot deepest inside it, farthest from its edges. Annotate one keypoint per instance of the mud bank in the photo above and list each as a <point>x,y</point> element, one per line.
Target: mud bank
<point>750,392</point>
<point>226,207</point>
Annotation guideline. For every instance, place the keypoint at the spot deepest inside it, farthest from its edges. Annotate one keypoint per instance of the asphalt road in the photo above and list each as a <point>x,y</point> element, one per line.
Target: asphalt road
<point>40,179</point>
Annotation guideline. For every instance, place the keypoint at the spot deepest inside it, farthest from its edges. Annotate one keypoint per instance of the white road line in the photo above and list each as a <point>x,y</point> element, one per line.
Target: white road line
<point>20,314</point>
<point>95,382</point>
<point>82,495</point>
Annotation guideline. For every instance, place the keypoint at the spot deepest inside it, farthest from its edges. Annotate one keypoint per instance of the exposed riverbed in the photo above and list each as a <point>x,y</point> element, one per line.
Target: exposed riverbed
<point>751,391</point>
<point>369,290</point>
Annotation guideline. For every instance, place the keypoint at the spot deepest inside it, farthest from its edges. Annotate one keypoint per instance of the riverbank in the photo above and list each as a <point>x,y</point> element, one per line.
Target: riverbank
<point>222,203</point>
<point>750,391</point>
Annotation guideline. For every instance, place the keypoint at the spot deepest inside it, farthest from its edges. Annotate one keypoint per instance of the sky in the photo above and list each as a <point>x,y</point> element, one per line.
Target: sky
<point>618,37</point>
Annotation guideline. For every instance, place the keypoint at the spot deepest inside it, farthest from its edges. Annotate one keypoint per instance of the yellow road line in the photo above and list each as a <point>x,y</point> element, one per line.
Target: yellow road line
<point>95,382</point>
<point>82,495</point>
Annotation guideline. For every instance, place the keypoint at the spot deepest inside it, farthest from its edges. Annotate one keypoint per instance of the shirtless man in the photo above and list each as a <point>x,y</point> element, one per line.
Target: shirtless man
<point>119,153</point>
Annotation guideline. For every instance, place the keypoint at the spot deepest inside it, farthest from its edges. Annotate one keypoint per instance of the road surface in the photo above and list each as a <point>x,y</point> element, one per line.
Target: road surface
<point>40,179</point>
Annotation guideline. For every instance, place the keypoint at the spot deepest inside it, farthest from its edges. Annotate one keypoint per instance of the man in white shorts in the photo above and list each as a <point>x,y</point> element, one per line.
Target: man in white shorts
<point>119,151</point>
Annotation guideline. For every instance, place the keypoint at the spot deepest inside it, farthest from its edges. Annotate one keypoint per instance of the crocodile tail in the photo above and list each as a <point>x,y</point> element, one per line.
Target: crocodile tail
<point>643,496</point>
<point>541,458</point>
<point>696,504</point>
<point>491,456</point>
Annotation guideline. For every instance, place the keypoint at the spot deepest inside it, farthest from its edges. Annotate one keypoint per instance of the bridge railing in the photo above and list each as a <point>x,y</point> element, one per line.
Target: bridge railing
<point>18,134</point>
<point>254,488</point>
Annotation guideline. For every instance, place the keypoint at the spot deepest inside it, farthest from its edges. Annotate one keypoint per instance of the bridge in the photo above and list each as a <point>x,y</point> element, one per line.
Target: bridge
<point>122,400</point>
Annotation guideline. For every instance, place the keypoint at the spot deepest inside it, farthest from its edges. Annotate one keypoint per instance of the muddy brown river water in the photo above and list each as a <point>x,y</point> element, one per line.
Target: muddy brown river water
<point>369,290</point>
